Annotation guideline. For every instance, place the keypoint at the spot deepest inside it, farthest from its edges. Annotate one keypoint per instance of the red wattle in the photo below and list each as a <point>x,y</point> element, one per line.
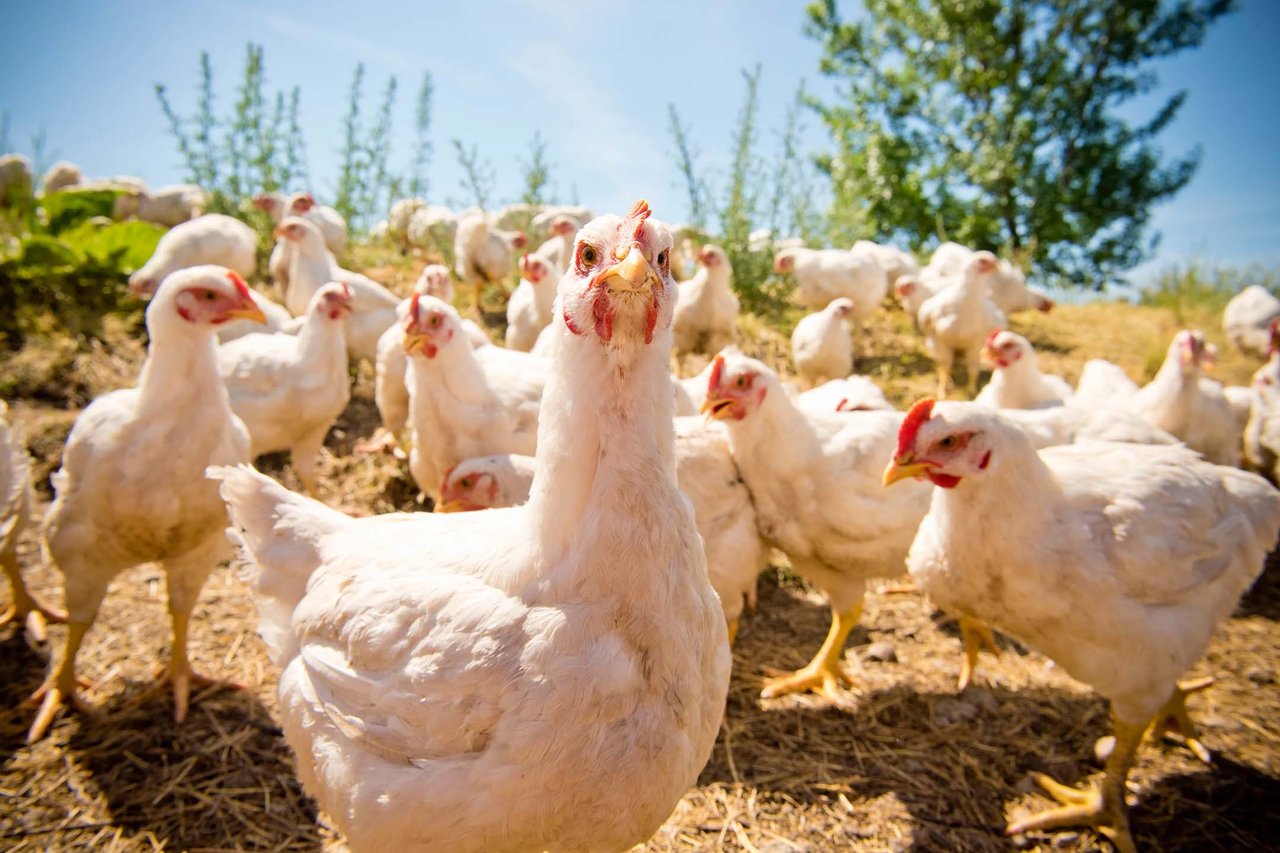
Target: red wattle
<point>602,312</point>
<point>568,321</point>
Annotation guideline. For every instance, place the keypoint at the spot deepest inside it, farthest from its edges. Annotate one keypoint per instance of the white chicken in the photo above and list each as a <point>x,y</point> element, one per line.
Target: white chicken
<point>1184,403</point>
<point>1006,285</point>
<point>557,251</point>
<point>15,514</point>
<point>1016,380</point>
<point>550,676</point>
<point>894,261</point>
<point>707,308</point>
<point>825,274</point>
<point>958,319</point>
<point>483,254</point>
<point>390,389</point>
<point>464,402</point>
<point>1103,383</point>
<point>1262,433</point>
<point>132,488</point>
<point>821,344</point>
<point>373,307</point>
<point>705,472</point>
<point>289,389</point>
<point>850,394</point>
<point>815,480</point>
<point>1248,317</point>
<point>1115,560</point>
<point>529,309</point>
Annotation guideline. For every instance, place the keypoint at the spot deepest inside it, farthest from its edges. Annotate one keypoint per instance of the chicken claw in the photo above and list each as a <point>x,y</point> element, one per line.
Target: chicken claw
<point>976,636</point>
<point>822,675</point>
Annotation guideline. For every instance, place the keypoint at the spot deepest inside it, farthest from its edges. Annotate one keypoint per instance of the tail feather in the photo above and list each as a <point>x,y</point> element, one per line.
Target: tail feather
<point>278,534</point>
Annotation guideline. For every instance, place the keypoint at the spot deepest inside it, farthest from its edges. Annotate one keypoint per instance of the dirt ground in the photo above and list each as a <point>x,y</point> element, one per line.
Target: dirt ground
<point>902,763</point>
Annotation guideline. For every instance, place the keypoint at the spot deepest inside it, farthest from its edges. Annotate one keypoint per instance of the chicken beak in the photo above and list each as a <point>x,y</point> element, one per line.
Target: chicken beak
<point>247,312</point>
<point>903,468</point>
<point>455,505</point>
<point>632,274</point>
<point>988,357</point>
<point>414,343</point>
<point>716,408</point>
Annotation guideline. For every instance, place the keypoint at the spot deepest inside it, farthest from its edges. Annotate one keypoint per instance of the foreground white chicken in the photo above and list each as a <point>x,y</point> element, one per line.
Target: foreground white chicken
<point>821,344</point>
<point>815,480</point>
<point>1248,317</point>
<point>958,320</point>
<point>825,274</point>
<point>1183,402</point>
<point>705,472</point>
<point>373,307</point>
<point>1115,560</point>
<point>707,308</point>
<point>1016,380</point>
<point>132,488</point>
<point>290,389</point>
<point>529,309</point>
<point>464,402</point>
<point>550,676</point>
<point>15,513</point>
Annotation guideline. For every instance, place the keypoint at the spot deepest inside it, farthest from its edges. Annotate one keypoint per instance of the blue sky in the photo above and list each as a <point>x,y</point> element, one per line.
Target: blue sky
<point>594,78</point>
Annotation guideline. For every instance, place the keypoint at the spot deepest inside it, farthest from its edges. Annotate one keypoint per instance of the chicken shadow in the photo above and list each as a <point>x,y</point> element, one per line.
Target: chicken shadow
<point>1263,598</point>
<point>223,779</point>
<point>22,668</point>
<point>1227,806</point>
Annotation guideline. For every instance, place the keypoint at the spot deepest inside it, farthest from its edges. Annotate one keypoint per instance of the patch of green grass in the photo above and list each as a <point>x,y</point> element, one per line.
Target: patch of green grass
<point>1198,289</point>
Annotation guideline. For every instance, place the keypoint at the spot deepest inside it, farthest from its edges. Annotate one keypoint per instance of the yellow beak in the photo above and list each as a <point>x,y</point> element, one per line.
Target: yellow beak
<point>902,468</point>
<point>451,506</point>
<point>715,407</point>
<point>249,312</point>
<point>414,343</point>
<point>632,273</point>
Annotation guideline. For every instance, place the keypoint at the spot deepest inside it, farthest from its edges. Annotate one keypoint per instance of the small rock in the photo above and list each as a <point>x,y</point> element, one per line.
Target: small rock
<point>1260,674</point>
<point>1103,747</point>
<point>859,832</point>
<point>1065,839</point>
<point>950,711</point>
<point>882,651</point>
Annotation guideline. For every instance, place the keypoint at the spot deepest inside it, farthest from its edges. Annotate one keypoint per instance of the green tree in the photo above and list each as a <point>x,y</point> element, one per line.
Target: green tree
<point>537,172</point>
<point>996,124</point>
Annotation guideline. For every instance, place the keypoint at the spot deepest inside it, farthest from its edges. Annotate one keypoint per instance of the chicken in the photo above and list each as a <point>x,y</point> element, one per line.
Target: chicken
<point>958,319</point>
<point>288,389</point>
<point>1016,380</point>
<point>1006,285</point>
<point>132,488</point>
<point>705,472</point>
<point>550,676</point>
<point>15,513</point>
<point>707,308</point>
<point>1115,560</point>
<point>465,402</point>
<point>1248,317</point>
<point>821,344</point>
<point>557,251</point>
<point>1184,403</point>
<point>373,307</point>
<point>895,262</point>
<point>434,280</point>
<point>825,274</point>
<point>1103,383</point>
<point>850,394</point>
<point>1262,433</point>
<point>529,309</point>
<point>483,254</point>
<point>815,481</point>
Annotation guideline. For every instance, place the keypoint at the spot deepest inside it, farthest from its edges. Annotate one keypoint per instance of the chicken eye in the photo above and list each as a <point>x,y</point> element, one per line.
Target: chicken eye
<point>465,482</point>
<point>435,321</point>
<point>741,382</point>
<point>949,443</point>
<point>210,296</point>
<point>662,259</point>
<point>588,255</point>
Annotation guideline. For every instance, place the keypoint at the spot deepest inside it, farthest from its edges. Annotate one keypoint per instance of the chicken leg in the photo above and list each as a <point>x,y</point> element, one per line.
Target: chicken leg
<point>1172,719</point>
<point>976,636</point>
<point>1102,805</point>
<point>822,675</point>
<point>60,687</point>
<point>25,606</point>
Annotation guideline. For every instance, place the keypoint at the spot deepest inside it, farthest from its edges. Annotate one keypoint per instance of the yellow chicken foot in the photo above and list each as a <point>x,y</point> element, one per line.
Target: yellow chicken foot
<point>733,626</point>
<point>944,380</point>
<point>382,441</point>
<point>60,687</point>
<point>976,636</point>
<point>34,613</point>
<point>823,675</point>
<point>1172,718</point>
<point>180,674</point>
<point>1102,805</point>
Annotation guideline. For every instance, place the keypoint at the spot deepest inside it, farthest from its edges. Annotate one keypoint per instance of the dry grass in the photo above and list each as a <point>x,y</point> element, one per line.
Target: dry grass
<point>903,763</point>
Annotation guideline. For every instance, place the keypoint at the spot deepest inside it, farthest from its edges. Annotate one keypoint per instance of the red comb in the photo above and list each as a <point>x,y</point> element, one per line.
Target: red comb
<point>414,308</point>
<point>239,283</point>
<point>717,370</point>
<point>346,290</point>
<point>635,218</point>
<point>990,342</point>
<point>911,424</point>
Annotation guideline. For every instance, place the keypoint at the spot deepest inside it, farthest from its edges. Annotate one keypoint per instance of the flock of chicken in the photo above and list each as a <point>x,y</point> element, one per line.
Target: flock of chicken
<point>503,680</point>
